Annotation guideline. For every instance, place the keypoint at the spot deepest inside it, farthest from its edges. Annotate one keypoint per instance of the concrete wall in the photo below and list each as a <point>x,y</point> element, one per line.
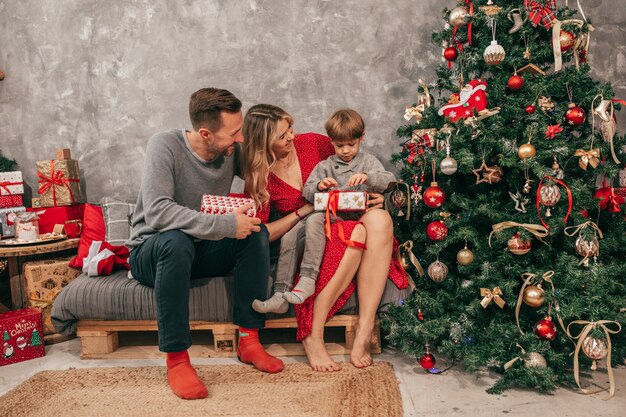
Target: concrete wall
<point>101,77</point>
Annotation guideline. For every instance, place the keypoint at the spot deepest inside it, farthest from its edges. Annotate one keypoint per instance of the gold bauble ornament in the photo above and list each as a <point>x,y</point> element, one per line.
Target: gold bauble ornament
<point>459,16</point>
<point>534,296</point>
<point>549,195</point>
<point>437,271</point>
<point>534,360</point>
<point>526,151</point>
<point>465,256</point>
<point>594,348</point>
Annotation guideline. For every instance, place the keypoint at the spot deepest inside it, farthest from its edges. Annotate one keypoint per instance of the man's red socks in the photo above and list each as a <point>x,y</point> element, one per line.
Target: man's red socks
<point>182,378</point>
<point>250,351</point>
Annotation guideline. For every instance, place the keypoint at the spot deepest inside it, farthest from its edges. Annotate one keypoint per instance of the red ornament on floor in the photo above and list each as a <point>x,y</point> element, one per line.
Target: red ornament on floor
<point>434,196</point>
<point>516,82</point>
<point>437,230</point>
<point>575,115</point>
<point>428,361</point>
<point>545,329</point>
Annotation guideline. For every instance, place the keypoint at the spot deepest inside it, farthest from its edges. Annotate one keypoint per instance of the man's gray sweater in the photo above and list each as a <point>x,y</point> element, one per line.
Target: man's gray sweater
<point>173,181</point>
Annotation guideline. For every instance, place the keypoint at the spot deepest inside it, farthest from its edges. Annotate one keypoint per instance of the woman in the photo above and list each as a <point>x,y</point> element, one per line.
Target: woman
<point>278,163</point>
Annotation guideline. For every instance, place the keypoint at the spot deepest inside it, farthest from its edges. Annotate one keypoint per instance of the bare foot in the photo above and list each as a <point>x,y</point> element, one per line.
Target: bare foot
<point>318,357</point>
<point>360,355</point>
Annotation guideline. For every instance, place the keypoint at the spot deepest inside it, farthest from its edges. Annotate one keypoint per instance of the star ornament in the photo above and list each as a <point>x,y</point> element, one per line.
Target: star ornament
<point>483,173</point>
<point>520,201</point>
<point>552,131</point>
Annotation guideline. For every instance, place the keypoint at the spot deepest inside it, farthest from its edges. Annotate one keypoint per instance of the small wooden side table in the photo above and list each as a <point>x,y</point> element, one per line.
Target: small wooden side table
<point>16,255</point>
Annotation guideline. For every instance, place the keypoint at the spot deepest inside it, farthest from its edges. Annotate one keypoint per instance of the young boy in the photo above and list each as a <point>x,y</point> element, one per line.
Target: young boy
<point>348,169</point>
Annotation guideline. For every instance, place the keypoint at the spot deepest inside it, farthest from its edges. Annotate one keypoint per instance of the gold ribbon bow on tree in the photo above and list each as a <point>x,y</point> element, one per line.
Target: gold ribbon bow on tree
<point>589,326</point>
<point>588,157</point>
<point>492,295</point>
<point>414,111</point>
<point>536,229</point>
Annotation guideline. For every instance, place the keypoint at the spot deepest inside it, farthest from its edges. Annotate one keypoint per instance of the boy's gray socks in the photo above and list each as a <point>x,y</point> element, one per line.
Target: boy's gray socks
<point>303,290</point>
<point>275,304</point>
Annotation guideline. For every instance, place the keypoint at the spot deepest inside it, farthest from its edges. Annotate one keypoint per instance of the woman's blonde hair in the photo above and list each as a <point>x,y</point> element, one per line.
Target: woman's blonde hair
<point>260,131</point>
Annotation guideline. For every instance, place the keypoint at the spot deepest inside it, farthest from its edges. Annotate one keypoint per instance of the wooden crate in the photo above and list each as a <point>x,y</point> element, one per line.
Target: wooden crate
<point>99,339</point>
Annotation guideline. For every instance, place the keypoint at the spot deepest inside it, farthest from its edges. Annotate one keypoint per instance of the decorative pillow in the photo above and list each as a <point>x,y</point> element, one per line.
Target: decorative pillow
<point>117,220</point>
<point>93,229</point>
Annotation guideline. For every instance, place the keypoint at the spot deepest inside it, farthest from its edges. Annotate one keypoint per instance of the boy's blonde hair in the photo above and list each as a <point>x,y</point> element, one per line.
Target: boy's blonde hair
<point>345,125</point>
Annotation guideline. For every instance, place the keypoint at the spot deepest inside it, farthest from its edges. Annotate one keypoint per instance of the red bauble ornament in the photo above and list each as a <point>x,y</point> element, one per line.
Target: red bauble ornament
<point>516,82</point>
<point>420,315</point>
<point>575,116</point>
<point>434,196</point>
<point>545,329</point>
<point>437,230</point>
<point>450,53</point>
<point>428,361</point>
<point>530,109</point>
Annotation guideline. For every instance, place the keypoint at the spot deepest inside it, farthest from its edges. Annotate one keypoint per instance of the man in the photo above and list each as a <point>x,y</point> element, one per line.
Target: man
<point>172,242</point>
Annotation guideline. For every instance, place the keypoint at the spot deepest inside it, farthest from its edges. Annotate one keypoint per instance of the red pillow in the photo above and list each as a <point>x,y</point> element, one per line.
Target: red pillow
<point>93,229</point>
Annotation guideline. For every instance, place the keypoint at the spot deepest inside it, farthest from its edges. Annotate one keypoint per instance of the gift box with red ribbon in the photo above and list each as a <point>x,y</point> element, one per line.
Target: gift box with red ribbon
<point>225,204</point>
<point>11,189</point>
<point>22,336</point>
<point>51,216</point>
<point>348,201</point>
<point>59,183</point>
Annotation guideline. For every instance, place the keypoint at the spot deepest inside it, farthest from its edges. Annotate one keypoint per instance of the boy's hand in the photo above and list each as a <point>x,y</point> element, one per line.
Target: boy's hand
<point>326,183</point>
<point>357,179</point>
<point>245,224</point>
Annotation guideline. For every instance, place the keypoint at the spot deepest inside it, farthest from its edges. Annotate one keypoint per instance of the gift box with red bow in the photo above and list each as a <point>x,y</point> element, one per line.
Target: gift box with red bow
<point>11,189</point>
<point>348,201</point>
<point>59,183</point>
<point>225,204</point>
<point>51,216</point>
<point>22,336</point>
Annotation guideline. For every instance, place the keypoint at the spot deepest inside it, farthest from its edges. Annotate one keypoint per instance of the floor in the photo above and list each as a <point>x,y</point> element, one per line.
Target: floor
<point>453,393</point>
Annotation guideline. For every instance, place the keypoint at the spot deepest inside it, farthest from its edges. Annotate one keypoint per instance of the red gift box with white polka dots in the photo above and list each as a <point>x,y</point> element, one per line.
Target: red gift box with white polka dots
<point>225,204</point>
<point>22,336</point>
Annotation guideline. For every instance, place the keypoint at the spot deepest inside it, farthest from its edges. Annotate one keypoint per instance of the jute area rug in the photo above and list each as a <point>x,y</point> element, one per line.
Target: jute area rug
<point>233,391</point>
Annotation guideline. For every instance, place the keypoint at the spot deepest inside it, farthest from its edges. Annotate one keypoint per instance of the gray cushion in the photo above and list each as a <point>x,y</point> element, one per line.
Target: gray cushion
<point>117,215</point>
<point>119,298</point>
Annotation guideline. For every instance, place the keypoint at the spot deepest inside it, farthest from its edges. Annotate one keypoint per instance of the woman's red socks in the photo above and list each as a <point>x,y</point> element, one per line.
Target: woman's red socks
<point>251,351</point>
<point>182,378</point>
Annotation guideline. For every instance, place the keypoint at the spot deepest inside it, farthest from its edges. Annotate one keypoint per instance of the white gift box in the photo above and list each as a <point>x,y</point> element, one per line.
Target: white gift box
<point>11,183</point>
<point>225,204</point>
<point>346,201</point>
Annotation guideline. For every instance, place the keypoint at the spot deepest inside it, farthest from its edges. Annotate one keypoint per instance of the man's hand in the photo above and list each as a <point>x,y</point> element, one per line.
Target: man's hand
<point>375,201</point>
<point>326,183</point>
<point>357,179</point>
<point>245,224</point>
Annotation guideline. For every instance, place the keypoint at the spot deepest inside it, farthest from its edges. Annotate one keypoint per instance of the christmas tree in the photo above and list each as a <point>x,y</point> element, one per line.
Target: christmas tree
<point>7,164</point>
<point>518,245</point>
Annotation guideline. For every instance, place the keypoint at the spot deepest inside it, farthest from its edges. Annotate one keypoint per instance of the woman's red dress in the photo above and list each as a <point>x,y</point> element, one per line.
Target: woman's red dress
<point>311,148</point>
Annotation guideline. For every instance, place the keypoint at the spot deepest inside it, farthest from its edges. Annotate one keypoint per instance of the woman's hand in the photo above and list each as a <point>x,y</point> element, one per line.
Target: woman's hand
<point>375,201</point>
<point>305,210</point>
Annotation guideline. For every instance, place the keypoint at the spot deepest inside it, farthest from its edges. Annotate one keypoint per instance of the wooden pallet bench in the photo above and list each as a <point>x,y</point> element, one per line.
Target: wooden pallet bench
<point>100,339</point>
